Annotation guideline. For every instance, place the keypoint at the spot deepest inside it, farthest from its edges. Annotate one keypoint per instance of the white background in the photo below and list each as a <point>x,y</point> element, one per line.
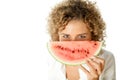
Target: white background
<point>23,36</point>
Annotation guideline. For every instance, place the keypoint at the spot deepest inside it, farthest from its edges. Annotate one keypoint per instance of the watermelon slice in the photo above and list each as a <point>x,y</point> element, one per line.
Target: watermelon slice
<point>74,52</point>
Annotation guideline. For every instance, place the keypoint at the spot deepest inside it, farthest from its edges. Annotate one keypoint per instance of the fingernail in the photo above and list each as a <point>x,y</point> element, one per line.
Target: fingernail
<point>88,60</point>
<point>93,57</point>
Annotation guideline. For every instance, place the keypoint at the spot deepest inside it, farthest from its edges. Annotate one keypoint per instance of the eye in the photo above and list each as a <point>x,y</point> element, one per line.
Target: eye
<point>65,36</point>
<point>82,36</point>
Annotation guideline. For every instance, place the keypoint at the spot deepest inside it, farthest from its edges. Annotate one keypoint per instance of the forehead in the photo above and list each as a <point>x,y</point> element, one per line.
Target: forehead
<point>76,27</point>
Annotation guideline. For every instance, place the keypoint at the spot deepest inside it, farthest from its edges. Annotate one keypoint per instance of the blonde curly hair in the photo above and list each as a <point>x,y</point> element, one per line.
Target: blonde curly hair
<point>69,10</point>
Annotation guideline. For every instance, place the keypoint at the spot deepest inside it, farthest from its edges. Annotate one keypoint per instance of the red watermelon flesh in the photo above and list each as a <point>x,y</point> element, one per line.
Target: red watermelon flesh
<point>74,52</point>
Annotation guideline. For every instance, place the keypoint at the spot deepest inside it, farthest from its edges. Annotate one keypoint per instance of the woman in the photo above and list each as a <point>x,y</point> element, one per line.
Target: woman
<point>76,20</point>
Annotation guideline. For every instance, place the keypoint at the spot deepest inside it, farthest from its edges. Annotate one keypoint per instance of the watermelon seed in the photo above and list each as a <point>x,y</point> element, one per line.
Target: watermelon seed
<point>58,46</point>
<point>87,52</point>
<point>73,51</point>
<point>95,44</point>
<point>67,49</point>
<point>62,48</point>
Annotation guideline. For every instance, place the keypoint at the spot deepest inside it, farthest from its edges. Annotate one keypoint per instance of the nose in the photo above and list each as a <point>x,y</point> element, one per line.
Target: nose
<point>73,39</point>
<point>76,39</point>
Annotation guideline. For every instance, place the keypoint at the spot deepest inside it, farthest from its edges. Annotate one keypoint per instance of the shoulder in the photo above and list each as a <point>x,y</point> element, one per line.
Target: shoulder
<point>109,59</point>
<point>107,55</point>
<point>109,69</point>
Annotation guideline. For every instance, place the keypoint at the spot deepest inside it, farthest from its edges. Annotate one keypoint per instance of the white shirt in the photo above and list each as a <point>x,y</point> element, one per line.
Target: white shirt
<point>57,70</point>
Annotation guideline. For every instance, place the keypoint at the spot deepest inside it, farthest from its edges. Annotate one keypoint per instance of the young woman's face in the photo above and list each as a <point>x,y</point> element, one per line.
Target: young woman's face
<point>75,30</point>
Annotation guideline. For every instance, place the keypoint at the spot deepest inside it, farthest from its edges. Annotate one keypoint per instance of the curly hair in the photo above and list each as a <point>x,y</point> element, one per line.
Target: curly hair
<point>83,10</point>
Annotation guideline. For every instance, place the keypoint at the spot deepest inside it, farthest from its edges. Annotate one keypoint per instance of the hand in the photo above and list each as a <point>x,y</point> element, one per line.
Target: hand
<point>96,66</point>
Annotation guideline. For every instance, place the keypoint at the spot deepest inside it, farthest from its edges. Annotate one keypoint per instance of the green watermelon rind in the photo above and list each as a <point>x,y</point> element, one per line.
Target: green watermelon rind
<point>73,64</point>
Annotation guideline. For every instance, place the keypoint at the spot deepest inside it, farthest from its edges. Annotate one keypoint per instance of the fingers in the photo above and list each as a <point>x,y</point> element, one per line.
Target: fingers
<point>84,69</point>
<point>99,60</point>
<point>92,73</point>
<point>96,66</point>
<point>91,66</point>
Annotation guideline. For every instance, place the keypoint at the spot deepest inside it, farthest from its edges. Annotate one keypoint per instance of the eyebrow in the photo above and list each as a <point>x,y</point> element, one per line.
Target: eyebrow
<point>63,34</point>
<point>82,34</point>
<point>69,34</point>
